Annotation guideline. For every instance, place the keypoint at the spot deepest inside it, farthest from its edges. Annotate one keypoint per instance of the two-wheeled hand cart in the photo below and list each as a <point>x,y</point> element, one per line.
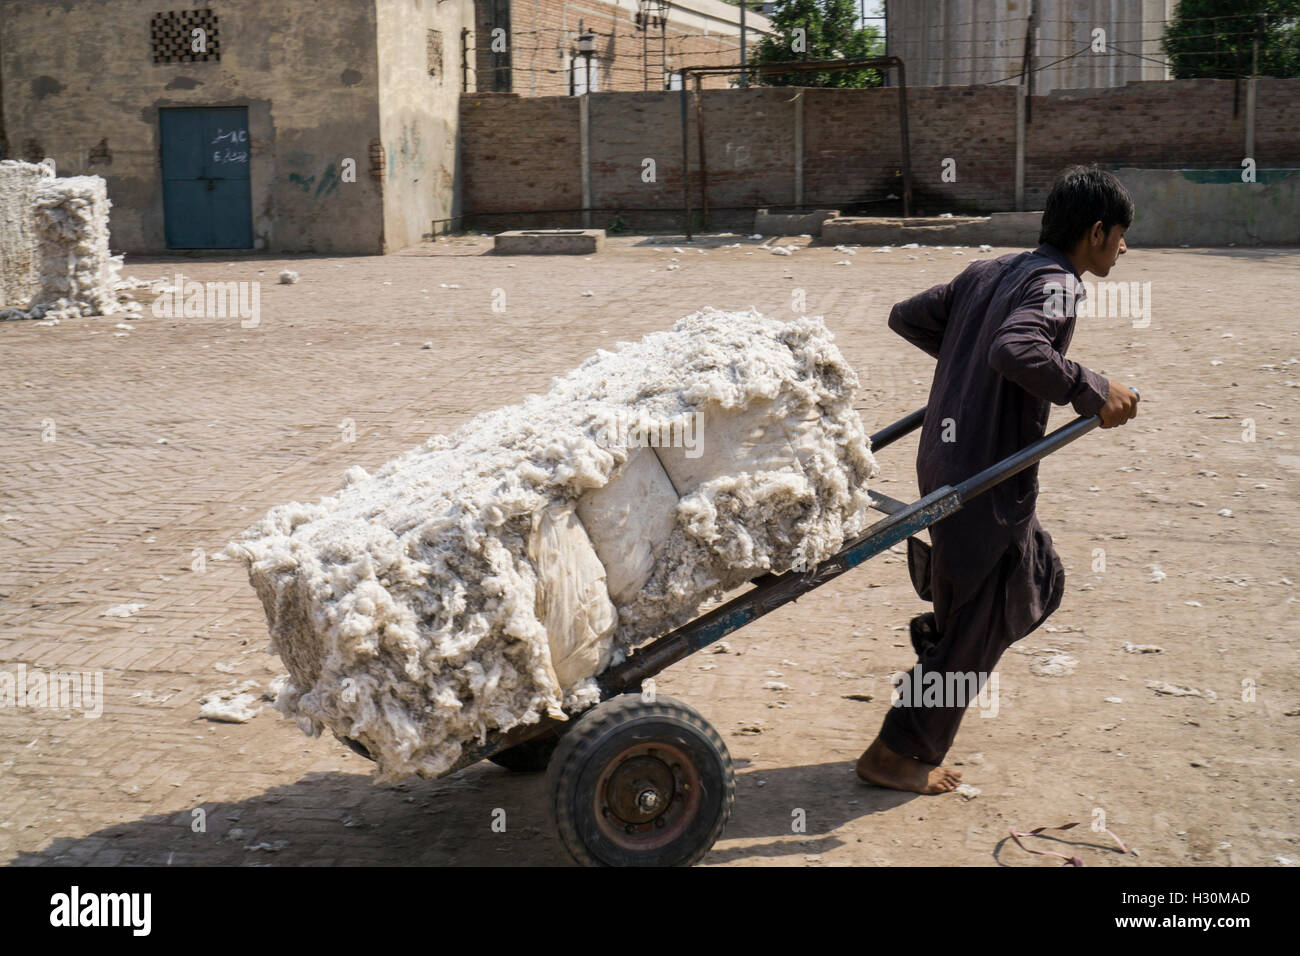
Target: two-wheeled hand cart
<point>644,780</point>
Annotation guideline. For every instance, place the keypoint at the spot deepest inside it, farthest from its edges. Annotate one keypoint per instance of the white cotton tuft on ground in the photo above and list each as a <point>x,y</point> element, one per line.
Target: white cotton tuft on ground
<point>55,236</point>
<point>274,687</point>
<point>479,582</point>
<point>228,707</point>
<point>288,277</point>
<point>121,610</point>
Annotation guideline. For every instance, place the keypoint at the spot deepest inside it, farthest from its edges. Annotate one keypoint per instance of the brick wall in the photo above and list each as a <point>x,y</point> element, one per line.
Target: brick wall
<point>519,153</point>
<point>542,38</point>
<point>523,153</point>
<point>748,153</point>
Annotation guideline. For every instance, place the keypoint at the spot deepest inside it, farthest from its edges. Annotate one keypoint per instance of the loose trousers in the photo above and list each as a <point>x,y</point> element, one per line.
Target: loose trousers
<point>976,626</point>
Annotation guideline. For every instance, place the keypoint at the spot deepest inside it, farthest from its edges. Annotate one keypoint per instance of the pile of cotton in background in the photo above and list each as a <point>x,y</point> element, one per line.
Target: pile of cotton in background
<point>56,239</point>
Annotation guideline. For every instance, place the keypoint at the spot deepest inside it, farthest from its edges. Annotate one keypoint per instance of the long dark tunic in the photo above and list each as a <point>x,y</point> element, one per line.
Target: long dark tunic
<point>999,331</point>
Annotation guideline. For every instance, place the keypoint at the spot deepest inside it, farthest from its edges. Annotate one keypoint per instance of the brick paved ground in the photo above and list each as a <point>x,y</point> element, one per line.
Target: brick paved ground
<point>172,438</point>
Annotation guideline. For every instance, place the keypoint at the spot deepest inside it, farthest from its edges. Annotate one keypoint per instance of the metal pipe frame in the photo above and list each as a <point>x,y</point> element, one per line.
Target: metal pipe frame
<point>794,66</point>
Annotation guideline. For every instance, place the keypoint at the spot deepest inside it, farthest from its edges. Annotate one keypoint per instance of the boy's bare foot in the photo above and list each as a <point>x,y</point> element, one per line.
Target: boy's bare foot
<point>884,768</point>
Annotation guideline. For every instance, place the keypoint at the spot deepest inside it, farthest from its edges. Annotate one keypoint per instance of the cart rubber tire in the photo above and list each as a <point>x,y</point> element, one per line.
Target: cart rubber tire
<point>531,756</point>
<point>641,784</point>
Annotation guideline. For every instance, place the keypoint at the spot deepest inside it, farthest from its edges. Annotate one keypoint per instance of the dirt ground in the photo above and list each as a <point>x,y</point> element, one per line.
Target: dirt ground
<point>172,436</point>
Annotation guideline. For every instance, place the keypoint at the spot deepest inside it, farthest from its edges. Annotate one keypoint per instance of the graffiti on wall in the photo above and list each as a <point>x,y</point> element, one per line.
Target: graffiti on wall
<point>327,184</point>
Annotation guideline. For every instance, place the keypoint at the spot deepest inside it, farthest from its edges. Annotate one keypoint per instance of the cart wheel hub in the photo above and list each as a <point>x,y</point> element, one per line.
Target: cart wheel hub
<point>639,789</point>
<point>648,795</point>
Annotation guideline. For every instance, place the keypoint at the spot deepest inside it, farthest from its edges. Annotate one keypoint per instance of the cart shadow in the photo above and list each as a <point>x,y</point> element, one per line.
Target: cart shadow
<point>799,809</point>
<point>483,816</point>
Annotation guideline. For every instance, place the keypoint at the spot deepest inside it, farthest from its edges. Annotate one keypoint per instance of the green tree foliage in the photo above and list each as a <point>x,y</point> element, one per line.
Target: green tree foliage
<point>818,30</point>
<point>1214,38</point>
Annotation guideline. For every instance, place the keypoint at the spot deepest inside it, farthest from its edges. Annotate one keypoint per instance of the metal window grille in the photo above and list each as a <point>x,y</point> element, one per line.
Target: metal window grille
<point>173,36</point>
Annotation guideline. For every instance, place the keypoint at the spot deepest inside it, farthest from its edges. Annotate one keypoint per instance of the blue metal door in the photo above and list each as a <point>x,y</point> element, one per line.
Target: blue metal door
<point>206,199</point>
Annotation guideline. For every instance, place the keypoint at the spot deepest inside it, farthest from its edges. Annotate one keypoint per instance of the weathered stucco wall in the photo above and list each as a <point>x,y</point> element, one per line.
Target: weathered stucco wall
<point>420,79</point>
<point>80,85</point>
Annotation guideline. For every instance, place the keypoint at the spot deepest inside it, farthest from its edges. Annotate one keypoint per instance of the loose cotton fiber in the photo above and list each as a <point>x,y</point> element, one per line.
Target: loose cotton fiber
<point>480,581</point>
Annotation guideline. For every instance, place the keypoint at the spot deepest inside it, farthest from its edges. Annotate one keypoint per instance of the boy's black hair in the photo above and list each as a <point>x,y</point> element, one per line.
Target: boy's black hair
<point>1081,196</point>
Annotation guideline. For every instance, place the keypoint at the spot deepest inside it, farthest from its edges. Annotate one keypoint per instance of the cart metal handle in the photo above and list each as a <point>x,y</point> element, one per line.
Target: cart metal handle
<point>773,591</point>
<point>986,479</point>
<point>910,423</point>
<point>892,433</point>
<point>903,523</point>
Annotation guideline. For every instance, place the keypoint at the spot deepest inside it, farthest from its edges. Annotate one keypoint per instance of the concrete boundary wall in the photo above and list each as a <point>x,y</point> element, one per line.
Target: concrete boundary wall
<point>1181,208</point>
<point>997,229</point>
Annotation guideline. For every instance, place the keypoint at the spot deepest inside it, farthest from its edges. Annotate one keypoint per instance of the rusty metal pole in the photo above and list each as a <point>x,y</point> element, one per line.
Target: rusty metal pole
<point>686,162</point>
<point>704,169</point>
<point>902,129</point>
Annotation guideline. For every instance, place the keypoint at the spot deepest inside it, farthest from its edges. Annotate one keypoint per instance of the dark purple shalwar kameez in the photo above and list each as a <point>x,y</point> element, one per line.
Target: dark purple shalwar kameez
<point>999,331</point>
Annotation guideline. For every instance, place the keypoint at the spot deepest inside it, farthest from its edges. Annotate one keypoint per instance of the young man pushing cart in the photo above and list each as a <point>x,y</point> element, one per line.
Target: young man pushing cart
<point>999,331</point>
